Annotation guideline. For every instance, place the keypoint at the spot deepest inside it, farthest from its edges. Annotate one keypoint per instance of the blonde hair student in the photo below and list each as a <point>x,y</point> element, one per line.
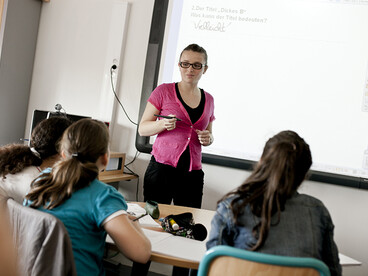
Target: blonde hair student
<point>88,208</point>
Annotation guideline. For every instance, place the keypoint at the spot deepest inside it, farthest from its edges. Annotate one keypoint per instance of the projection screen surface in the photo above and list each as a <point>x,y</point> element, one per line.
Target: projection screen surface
<point>275,65</point>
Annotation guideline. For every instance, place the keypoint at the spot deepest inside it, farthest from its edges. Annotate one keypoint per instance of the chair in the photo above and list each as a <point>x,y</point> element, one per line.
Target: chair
<point>225,260</point>
<point>43,246</point>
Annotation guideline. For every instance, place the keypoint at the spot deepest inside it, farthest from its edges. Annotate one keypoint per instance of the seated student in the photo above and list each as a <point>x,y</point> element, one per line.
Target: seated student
<point>267,214</point>
<point>87,207</point>
<point>20,164</point>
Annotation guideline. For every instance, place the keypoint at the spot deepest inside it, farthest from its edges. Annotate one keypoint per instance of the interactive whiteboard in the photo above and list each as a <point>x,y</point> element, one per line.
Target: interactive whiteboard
<point>276,65</point>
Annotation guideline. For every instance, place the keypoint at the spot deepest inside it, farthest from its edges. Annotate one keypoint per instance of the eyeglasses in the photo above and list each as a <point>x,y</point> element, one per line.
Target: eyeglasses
<point>196,66</point>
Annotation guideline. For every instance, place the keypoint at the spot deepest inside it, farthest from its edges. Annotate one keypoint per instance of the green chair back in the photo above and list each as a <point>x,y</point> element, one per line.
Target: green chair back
<point>226,260</point>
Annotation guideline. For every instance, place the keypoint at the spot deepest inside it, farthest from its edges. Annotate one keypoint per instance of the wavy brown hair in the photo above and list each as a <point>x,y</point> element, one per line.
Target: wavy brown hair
<point>44,139</point>
<point>82,144</point>
<point>283,166</point>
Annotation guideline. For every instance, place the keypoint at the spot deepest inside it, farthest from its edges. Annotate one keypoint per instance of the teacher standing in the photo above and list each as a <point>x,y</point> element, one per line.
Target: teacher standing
<point>175,170</point>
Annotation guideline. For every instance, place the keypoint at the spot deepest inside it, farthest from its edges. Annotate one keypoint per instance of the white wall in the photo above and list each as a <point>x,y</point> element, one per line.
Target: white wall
<point>347,206</point>
<point>19,27</point>
<point>78,42</point>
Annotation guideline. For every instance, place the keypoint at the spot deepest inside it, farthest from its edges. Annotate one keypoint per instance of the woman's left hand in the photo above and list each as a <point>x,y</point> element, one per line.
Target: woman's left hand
<point>204,137</point>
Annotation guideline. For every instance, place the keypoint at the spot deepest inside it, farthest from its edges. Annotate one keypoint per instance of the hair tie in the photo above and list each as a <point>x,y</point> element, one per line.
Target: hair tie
<point>75,154</point>
<point>35,152</point>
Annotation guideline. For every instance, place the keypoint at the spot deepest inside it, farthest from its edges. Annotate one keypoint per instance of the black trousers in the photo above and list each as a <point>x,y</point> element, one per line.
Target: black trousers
<point>164,183</point>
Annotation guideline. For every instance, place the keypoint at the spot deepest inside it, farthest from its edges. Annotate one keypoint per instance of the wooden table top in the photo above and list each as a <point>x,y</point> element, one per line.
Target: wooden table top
<point>199,215</point>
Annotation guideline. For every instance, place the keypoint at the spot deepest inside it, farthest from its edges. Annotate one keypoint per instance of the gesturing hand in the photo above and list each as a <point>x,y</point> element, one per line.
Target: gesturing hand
<point>204,137</point>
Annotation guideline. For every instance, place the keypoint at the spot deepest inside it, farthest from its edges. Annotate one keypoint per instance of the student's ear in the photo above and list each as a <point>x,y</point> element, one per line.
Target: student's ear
<point>63,154</point>
<point>104,159</point>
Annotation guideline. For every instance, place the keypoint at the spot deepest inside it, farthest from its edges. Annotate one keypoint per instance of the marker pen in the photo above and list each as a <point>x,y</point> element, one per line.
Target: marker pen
<point>141,216</point>
<point>167,117</point>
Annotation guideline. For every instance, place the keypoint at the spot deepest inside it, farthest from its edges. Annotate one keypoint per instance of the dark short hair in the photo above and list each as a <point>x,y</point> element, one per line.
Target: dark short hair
<point>47,133</point>
<point>44,139</point>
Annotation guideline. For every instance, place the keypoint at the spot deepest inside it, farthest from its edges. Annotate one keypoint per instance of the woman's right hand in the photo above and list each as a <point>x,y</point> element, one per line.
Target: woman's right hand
<point>169,124</point>
<point>150,125</point>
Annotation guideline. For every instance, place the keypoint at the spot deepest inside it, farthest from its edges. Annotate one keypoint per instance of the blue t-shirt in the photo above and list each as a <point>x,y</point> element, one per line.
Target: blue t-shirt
<point>82,215</point>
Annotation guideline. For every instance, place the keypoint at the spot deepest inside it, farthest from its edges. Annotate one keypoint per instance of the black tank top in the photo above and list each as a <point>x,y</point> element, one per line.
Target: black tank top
<point>194,114</point>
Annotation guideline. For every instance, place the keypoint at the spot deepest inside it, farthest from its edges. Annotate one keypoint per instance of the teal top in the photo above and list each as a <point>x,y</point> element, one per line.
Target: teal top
<point>83,214</point>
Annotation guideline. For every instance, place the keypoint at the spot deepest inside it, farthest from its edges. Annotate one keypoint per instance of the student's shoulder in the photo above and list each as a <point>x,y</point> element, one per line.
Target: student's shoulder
<point>100,188</point>
<point>24,177</point>
<point>316,208</point>
<point>106,193</point>
<point>310,202</point>
<point>224,206</point>
<point>32,170</point>
<point>99,185</point>
<point>307,199</point>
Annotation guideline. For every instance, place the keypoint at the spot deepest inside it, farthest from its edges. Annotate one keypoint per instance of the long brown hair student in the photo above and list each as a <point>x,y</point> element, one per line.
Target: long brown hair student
<point>88,208</point>
<point>285,161</point>
<point>267,214</point>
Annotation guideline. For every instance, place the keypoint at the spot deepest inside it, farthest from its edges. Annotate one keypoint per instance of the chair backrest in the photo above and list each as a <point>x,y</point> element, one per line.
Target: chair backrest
<point>8,259</point>
<point>226,260</point>
<point>42,242</point>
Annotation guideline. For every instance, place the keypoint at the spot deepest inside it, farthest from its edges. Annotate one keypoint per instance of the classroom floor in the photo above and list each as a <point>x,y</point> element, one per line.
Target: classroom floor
<point>122,270</point>
<point>119,265</point>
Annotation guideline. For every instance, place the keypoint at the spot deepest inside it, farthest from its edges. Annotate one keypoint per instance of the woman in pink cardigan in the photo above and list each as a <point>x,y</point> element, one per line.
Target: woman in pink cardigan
<point>175,170</point>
